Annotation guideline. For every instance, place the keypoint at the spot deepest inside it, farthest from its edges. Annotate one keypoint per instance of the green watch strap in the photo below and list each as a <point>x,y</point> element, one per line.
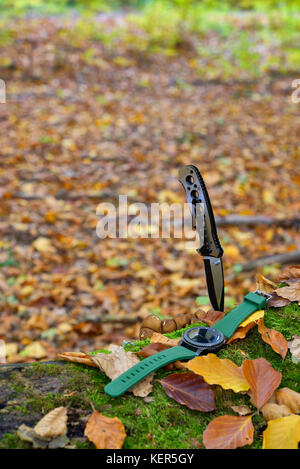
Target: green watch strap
<point>142,369</point>
<point>252,302</point>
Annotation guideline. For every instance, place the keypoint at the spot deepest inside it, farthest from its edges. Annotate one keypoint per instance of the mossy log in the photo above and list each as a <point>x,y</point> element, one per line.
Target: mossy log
<point>29,392</point>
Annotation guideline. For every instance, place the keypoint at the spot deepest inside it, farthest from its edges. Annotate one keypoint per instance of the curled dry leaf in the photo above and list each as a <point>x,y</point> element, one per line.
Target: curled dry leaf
<point>53,424</point>
<point>246,325</point>
<point>264,284</point>
<point>241,409</point>
<point>77,357</point>
<point>277,301</point>
<point>273,338</point>
<point>162,339</point>
<point>291,292</point>
<point>228,432</point>
<point>282,433</point>
<point>210,317</point>
<point>105,432</point>
<point>262,378</point>
<point>119,361</point>
<point>273,411</point>
<point>290,398</point>
<point>219,371</point>
<point>190,390</point>
<point>290,272</point>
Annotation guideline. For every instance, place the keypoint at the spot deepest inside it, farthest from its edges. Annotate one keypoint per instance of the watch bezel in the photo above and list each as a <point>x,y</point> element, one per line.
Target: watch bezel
<point>199,347</point>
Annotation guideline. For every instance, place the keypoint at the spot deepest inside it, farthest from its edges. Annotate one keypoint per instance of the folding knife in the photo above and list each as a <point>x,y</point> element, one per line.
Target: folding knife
<point>203,222</point>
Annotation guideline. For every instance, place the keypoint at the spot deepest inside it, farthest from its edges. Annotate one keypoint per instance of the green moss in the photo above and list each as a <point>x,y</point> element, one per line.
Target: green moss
<point>160,423</point>
<point>12,441</point>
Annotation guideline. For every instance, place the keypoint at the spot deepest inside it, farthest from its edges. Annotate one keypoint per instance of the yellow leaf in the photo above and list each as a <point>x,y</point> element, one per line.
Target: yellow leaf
<point>219,371</point>
<point>42,244</point>
<point>283,433</point>
<point>253,318</point>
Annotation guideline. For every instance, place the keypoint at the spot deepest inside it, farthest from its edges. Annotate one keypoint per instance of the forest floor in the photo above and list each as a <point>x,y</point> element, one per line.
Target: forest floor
<point>90,115</point>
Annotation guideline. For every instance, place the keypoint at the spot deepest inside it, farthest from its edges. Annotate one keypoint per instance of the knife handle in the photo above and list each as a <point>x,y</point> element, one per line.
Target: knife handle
<point>196,192</point>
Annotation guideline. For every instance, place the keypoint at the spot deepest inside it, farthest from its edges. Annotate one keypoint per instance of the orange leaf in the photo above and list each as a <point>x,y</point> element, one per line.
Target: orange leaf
<point>273,338</point>
<point>219,371</point>
<point>105,432</point>
<point>77,357</point>
<point>228,432</point>
<point>262,378</point>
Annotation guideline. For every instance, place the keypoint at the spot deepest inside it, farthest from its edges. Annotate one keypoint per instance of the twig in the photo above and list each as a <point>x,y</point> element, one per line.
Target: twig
<point>286,258</point>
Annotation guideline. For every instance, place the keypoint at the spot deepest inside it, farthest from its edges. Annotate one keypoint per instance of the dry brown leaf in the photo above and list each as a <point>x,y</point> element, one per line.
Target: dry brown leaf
<point>264,284</point>
<point>291,292</point>
<point>53,424</point>
<point>241,409</point>
<point>119,361</point>
<point>105,432</point>
<point>283,433</point>
<point>77,357</point>
<point>162,339</point>
<point>273,411</point>
<point>289,398</point>
<point>228,432</point>
<point>219,371</point>
<point>262,378</point>
<point>209,317</point>
<point>277,301</point>
<point>273,338</point>
<point>294,347</point>
<point>290,272</point>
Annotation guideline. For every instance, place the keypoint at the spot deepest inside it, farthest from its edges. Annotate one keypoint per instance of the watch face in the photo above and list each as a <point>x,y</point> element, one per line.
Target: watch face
<point>206,337</point>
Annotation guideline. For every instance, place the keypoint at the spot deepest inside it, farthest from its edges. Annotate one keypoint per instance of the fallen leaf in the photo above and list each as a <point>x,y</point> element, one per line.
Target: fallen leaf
<point>246,325</point>
<point>291,292</point>
<point>294,347</point>
<point>219,371</point>
<point>42,244</point>
<point>273,338</point>
<point>282,433</point>
<point>34,350</point>
<point>209,317</point>
<point>273,411</point>
<point>162,339</point>
<point>77,357</point>
<point>228,432</point>
<point>119,361</point>
<point>264,284</point>
<point>290,272</point>
<point>289,398</point>
<point>277,301</point>
<point>190,390</point>
<point>241,409</point>
<point>105,432</point>
<point>53,424</point>
<point>262,378</point>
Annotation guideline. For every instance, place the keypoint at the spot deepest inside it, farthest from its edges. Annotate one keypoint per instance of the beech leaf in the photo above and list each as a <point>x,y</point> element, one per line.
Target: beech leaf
<point>273,411</point>
<point>219,371</point>
<point>262,378</point>
<point>77,357</point>
<point>282,433</point>
<point>228,432</point>
<point>291,292</point>
<point>289,398</point>
<point>53,424</point>
<point>273,338</point>
<point>105,432</point>
<point>190,390</point>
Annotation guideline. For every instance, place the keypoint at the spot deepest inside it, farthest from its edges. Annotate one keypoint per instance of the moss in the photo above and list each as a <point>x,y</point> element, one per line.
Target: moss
<point>160,423</point>
<point>12,441</point>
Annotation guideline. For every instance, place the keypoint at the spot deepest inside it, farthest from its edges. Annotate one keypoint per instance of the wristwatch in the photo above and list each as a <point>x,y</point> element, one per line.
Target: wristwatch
<point>195,341</point>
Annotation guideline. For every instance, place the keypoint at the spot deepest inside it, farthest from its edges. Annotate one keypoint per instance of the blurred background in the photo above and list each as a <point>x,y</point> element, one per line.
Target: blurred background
<point>106,98</point>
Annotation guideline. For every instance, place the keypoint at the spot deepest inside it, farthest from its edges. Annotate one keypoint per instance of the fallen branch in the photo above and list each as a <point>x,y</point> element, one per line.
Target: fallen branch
<point>286,258</point>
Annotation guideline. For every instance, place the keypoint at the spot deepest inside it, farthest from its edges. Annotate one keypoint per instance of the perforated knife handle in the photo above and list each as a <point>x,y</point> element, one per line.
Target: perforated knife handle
<point>196,192</point>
